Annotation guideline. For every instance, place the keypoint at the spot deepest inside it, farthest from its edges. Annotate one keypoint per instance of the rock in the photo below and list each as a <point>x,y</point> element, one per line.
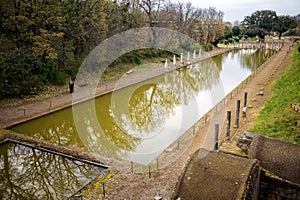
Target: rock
<point>129,72</point>
<point>295,107</point>
<point>250,106</point>
<point>260,93</point>
<point>253,99</point>
<point>244,140</point>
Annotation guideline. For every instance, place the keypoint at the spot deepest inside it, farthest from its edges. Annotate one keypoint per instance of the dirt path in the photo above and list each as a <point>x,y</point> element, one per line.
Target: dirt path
<point>139,186</point>
<point>259,82</point>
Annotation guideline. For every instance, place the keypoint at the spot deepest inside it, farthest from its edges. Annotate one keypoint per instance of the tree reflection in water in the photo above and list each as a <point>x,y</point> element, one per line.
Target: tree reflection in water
<point>249,58</point>
<point>148,110</point>
<point>28,173</point>
<point>153,102</point>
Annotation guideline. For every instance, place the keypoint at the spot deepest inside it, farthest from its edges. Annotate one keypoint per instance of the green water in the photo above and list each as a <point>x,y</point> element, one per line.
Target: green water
<point>140,121</point>
<point>28,173</point>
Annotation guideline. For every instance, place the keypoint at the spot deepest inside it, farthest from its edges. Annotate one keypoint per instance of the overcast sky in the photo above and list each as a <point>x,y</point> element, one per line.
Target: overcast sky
<point>238,9</point>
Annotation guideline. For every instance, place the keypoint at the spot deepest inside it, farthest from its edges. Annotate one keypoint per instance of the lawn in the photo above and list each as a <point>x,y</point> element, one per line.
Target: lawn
<point>277,119</point>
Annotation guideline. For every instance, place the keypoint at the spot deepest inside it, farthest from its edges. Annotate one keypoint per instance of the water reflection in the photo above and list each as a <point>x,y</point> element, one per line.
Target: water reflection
<point>102,133</point>
<point>57,127</point>
<point>144,109</point>
<point>248,58</point>
<point>28,173</point>
<point>148,116</point>
<point>147,111</point>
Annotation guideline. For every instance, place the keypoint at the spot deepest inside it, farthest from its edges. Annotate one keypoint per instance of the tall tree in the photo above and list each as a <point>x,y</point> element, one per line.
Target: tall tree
<point>85,27</point>
<point>32,24</point>
<point>210,25</point>
<point>28,56</point>
<point>285,23</point>
<point>187,18</point>
<point>260,23</point>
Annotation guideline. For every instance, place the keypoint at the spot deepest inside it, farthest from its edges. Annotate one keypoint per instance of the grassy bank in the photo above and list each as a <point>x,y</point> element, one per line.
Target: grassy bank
<point>278,119</point>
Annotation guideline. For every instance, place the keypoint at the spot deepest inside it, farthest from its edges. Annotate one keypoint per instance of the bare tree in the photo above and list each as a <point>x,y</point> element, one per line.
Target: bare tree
<point>210,25</point>
<point>152,9</point>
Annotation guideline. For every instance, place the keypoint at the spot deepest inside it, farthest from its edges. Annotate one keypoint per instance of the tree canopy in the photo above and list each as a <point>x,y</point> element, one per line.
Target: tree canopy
<point>236,31</point>
<point>264,22</point>
<point>44,41</point>
<point>285,23</point>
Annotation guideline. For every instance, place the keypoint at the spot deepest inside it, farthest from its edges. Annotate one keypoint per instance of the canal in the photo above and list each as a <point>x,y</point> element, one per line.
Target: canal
<point>139,122</point>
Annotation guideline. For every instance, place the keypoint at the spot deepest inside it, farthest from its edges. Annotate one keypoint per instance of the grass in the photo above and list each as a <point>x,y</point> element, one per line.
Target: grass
<point>120,69</point>
<point>277,119</point>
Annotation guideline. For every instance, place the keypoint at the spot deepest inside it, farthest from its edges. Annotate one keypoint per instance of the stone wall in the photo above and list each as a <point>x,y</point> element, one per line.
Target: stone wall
<point>278,157</point>
<point>251,191</point>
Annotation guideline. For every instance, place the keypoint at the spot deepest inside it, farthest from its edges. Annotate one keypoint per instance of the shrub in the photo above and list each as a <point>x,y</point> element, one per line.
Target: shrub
<point>23,73</point>
<point>208,47</point>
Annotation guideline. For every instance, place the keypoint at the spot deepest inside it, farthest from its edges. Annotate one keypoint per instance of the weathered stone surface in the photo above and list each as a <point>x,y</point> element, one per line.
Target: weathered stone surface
<point>219,175</point>
<point>244,140</point>
<point>272,187</point>
<point>281,158</point>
